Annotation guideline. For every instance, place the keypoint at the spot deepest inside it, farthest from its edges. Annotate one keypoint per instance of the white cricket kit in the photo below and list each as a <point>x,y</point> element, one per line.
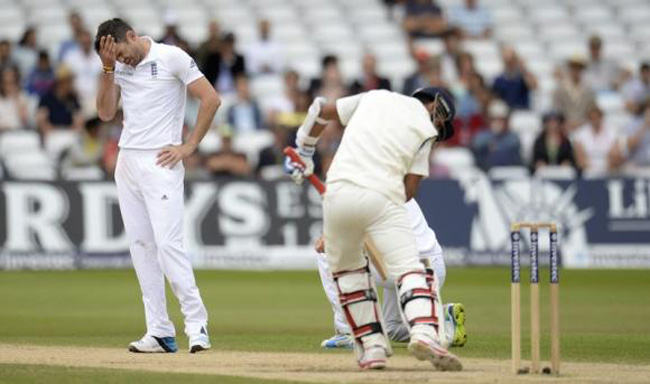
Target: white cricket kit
<point>430,251</point>
<point>152,197</point>
<point>387,136</point>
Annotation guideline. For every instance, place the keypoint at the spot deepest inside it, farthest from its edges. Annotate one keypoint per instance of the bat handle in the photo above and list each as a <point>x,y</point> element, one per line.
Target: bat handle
<point>313,179</point>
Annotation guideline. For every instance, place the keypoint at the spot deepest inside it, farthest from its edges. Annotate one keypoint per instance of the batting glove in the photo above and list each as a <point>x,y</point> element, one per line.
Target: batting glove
<point>298,171</point>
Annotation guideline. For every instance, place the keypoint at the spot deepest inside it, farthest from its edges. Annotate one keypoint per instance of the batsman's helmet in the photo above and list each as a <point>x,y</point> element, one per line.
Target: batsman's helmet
<point>445,109</point>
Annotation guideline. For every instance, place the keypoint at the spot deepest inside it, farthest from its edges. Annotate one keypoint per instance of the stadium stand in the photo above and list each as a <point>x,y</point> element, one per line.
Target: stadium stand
<point>543,34</point>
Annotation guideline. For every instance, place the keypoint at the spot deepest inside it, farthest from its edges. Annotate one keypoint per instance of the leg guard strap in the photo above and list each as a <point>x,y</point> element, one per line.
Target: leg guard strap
<point>358,296</point>
<point>417,298</point>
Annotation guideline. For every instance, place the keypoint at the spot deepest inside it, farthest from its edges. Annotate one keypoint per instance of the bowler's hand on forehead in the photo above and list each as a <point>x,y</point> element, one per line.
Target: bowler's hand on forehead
<point>107,50</point>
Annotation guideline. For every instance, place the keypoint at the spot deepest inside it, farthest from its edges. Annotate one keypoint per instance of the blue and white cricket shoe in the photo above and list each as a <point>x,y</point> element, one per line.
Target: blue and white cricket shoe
<point>200,342</point>
<point>455,313</point>
<point>153,344</point>
<point>338,341</point>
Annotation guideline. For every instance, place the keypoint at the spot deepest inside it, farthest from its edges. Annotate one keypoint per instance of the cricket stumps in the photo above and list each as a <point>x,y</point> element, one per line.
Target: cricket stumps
<point>515,297</point>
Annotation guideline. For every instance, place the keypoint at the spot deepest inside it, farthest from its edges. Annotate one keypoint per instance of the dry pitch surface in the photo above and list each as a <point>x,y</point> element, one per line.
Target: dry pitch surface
<point>305,367</point>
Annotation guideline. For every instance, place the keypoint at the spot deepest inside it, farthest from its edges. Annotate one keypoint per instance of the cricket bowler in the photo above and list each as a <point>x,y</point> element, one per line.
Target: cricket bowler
<point>151,80</point>
<point>453,332</point>
<point>383,155</point>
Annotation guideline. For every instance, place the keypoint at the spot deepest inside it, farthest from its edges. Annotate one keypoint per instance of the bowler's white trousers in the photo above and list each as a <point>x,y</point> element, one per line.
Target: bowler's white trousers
<point>152,202</point>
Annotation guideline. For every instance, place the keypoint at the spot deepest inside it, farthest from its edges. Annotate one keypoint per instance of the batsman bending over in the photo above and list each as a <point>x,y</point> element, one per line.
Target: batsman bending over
<point>383,155</point>
<point>453,331</point>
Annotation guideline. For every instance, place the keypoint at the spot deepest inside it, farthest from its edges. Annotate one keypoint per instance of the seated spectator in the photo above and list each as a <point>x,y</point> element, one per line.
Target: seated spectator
<point>25,53</point>
<point>41,80</point>
<point>171,36</point>
<point>473,99</point>
<point>635,150</point>
<point>6,59</point>
<point>222,68</point>
<point>595,145</point>
<point>88,150</point>
<point>14,108</point>
<point>449,57</point>
<point>469,91</point>
<point>227,161</point>
<point>370,80</point>
<point>330,84</point>
<point>573,97</point>
<point>86,66</point>
<point>423,19</point>
<point>427,74</point>
<point>265,55</point>
<point>244,115</point>
<point>602,74</point>
<point>552,146</point>
<point>210,47</point>
<point>636,91</point>
<point>497,146</point>
<point>271,159</point>
<point>76,24</point>
<point>515,83</point>
<point>60,108</point>
<point>287,102</point>
<point>474,20</point>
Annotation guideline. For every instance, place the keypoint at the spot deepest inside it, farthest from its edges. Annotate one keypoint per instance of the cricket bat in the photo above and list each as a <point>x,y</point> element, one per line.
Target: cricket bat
<point>375,258</point>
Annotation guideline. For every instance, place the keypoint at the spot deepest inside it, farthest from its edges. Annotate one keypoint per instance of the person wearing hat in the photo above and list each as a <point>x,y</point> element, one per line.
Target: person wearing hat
<point>497,146</point>
<point>552,147</point>
<point>383,155</point>
<point>60,108</point>
<point>573,97</point>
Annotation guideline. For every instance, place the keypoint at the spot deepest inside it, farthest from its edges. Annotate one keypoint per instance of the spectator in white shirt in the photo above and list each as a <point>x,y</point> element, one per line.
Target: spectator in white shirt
<point>265,55</point>
<point>14,111</point>
<point>86,67</point>
<point>595,145</point>
<point>25,54</point>
<point>474,20</point>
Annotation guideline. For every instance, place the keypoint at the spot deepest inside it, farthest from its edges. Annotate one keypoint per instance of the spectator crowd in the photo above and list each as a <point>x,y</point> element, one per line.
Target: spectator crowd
<point>51,94</point>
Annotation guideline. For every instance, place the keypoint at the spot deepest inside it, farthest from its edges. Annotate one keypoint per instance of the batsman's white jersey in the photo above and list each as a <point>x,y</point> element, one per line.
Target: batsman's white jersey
<point>430,252</point>
<point>384,130</point>
<point>387,136</point>
<point>151,197</point>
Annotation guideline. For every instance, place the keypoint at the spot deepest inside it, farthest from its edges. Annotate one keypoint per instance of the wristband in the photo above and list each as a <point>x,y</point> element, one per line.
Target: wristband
<point>108,69</point>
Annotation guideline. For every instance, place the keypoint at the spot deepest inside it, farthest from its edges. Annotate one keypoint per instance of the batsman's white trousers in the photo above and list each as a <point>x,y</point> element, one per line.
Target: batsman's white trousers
<point>152,201</point>
<point>350,212</point>
<point>430,252</point>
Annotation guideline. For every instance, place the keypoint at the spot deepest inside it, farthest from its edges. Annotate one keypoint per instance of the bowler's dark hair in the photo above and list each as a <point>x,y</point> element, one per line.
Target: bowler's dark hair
<point>114,27</point>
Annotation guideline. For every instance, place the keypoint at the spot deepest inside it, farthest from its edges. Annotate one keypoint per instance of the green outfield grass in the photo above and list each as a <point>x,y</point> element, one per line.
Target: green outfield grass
<point>604,314</point>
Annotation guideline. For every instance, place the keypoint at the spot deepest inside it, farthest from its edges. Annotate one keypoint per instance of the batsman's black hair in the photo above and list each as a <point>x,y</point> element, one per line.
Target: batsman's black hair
<point>115,27</point>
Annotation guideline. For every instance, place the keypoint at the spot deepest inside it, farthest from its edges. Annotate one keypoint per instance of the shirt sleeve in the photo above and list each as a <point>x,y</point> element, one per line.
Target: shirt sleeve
<point>183,66</point>
<point>346,106</point>
<point>420,164</point>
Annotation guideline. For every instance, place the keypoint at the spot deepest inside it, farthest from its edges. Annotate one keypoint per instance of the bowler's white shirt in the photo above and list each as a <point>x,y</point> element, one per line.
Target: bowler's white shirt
<point>388,135</point>
<point>153,97</point>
